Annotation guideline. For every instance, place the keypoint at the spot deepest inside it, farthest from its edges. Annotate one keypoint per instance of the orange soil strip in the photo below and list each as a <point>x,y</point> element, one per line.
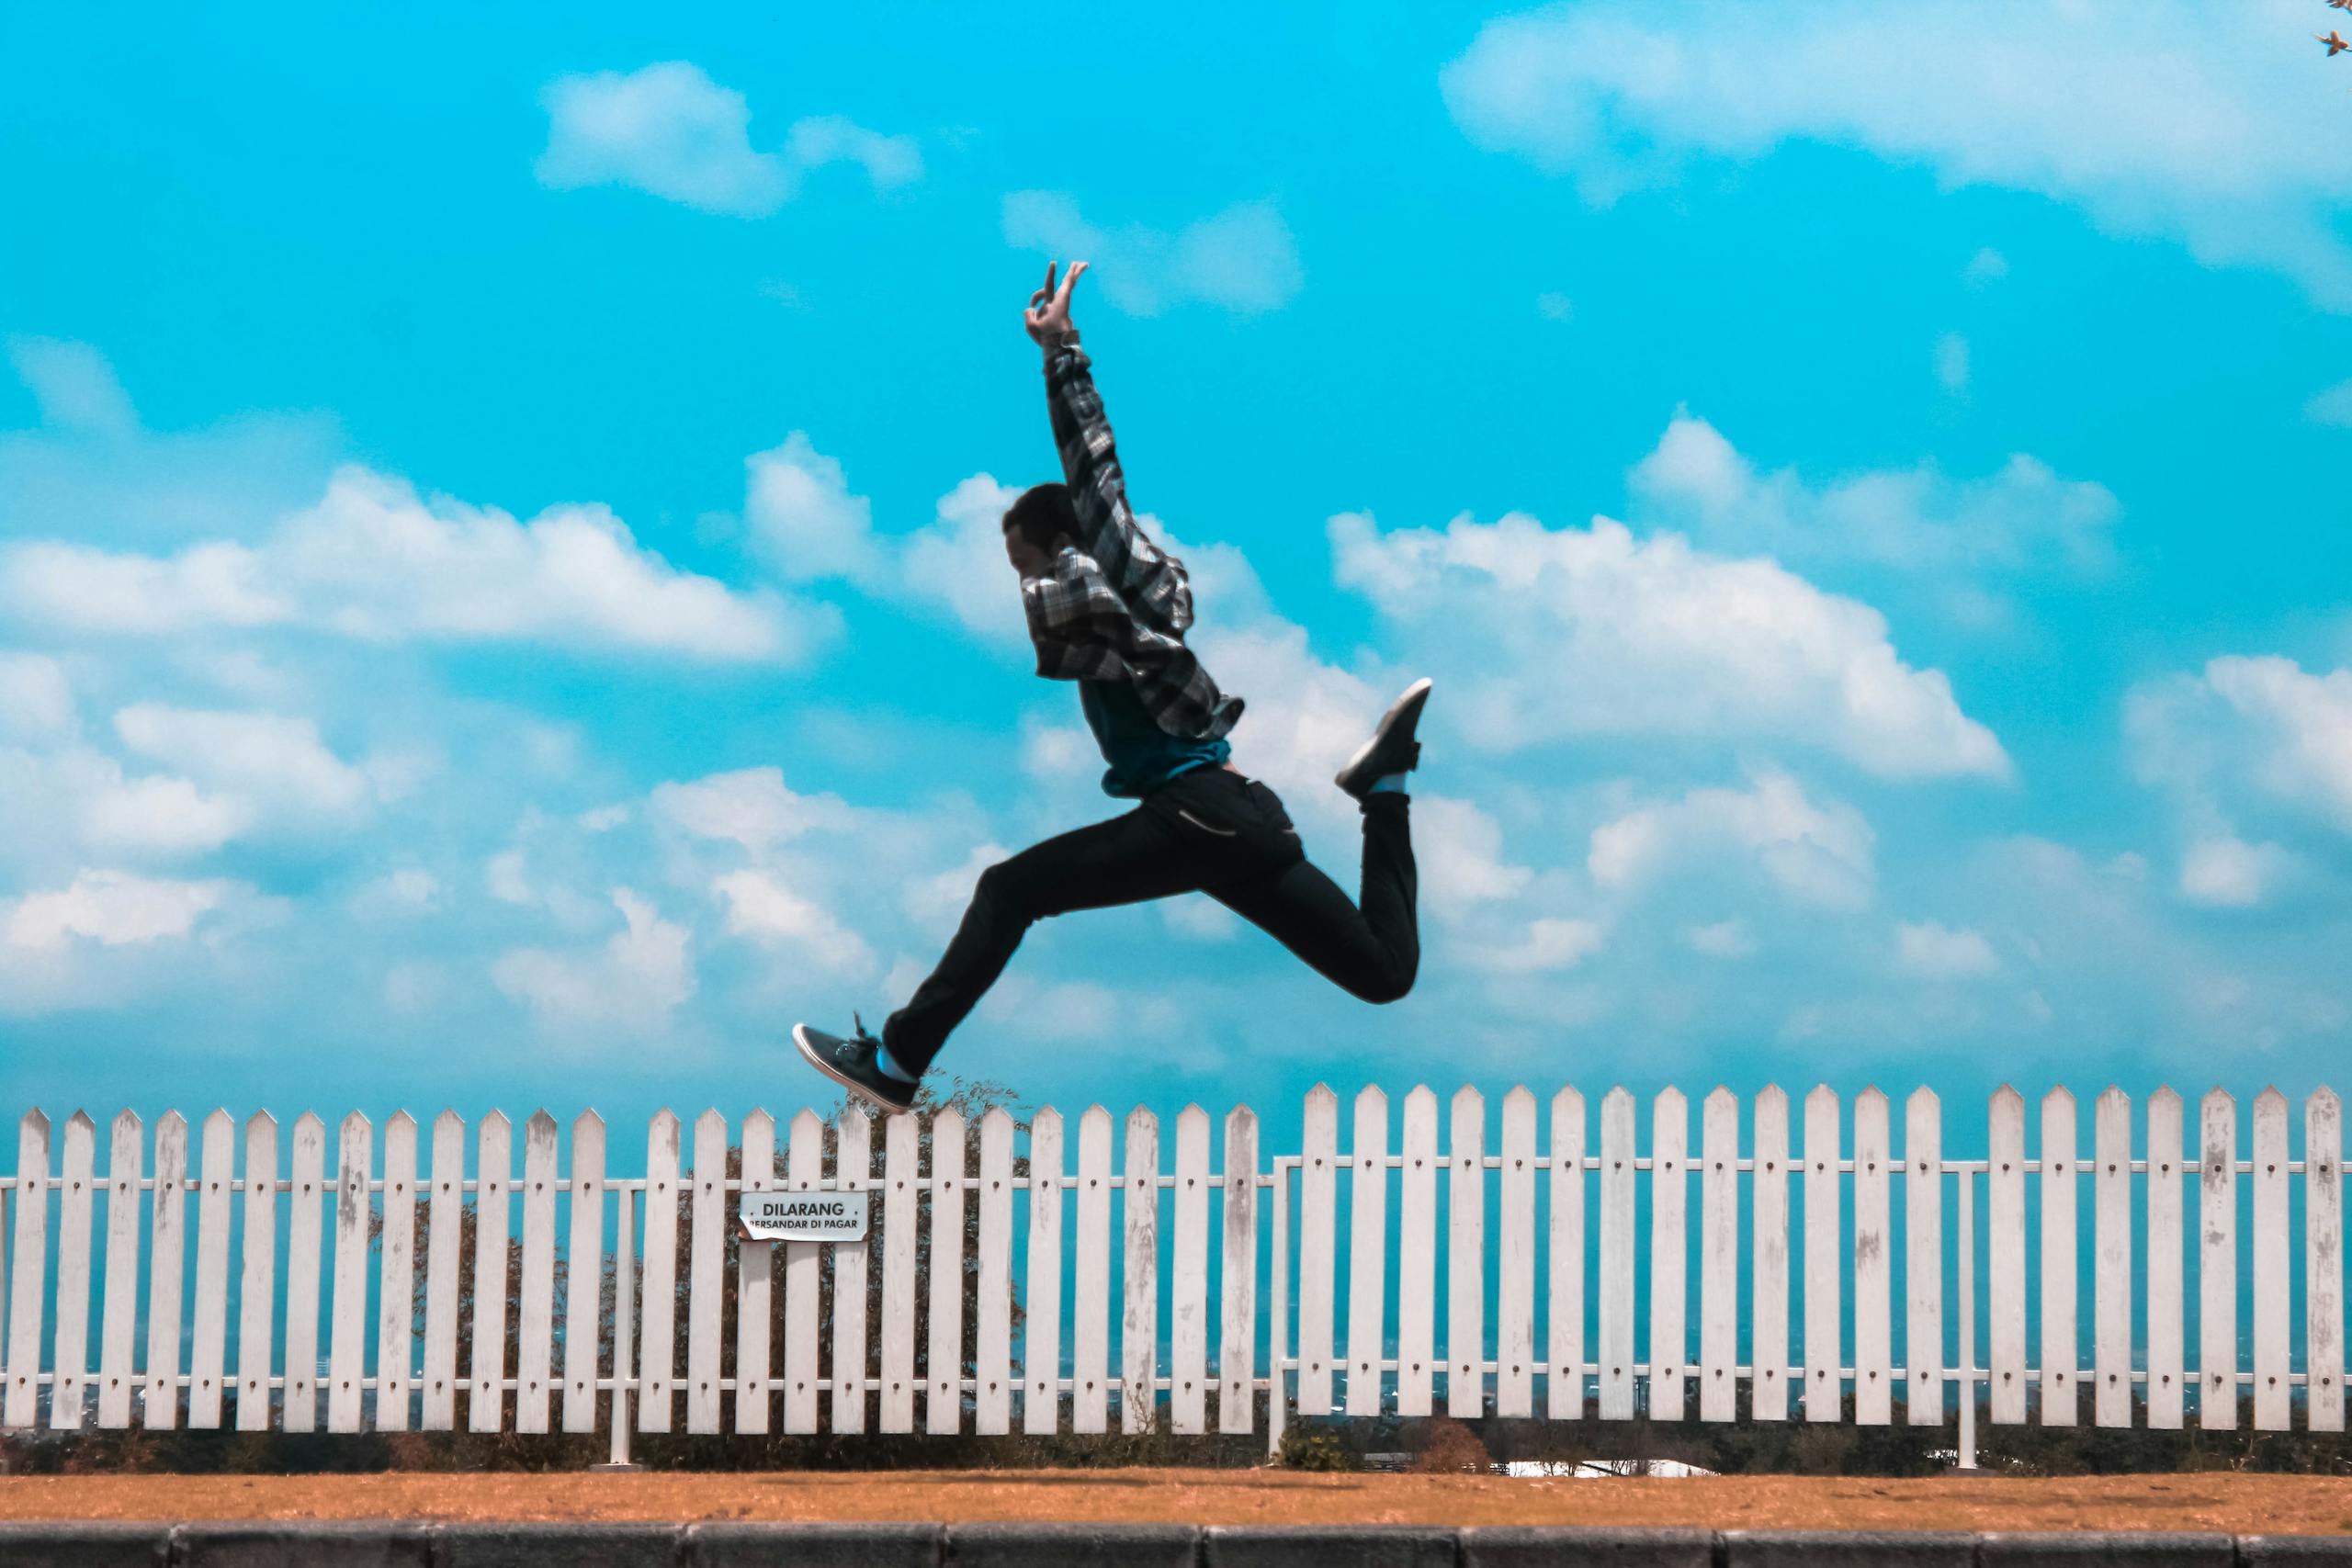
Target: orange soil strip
<point>2277,1504</point>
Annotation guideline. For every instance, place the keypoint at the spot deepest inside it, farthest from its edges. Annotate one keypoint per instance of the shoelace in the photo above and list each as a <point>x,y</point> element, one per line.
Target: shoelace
<point>858,1021</point>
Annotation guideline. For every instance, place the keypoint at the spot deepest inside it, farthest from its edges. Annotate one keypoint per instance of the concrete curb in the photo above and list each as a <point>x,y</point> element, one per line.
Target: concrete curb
<point>386,1543</point>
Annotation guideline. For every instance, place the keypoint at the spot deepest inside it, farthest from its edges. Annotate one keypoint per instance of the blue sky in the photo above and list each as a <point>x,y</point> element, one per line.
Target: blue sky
<point>499,602</point>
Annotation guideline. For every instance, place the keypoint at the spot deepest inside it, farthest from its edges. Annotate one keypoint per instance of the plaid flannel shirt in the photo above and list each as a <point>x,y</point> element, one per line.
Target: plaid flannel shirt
<point>1116,606</point>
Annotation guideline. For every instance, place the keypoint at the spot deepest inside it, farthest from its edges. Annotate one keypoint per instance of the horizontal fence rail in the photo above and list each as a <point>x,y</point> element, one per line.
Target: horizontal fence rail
<point>1793,1263</point>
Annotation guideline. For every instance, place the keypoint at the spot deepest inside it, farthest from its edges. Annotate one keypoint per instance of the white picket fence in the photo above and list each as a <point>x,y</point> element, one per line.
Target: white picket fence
<point>1616,1341</point>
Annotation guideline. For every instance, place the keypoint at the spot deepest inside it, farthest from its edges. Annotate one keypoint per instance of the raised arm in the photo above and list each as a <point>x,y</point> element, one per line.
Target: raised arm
<point>1098,488</point>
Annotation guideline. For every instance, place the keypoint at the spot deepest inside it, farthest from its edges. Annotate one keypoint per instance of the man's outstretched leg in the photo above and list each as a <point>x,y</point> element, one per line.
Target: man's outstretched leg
<point>1124,860</point>
<point>1370,948</point>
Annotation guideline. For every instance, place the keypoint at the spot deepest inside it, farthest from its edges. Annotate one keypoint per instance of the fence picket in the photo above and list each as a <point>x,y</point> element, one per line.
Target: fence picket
<point>1238,1323</point>
<point>257,1286</point>
<point>1616,1281</point>
<point>944,1366</point>
<point>2273,1397</point>
<point>126,1166</point>
<point>2166,1376</point>
<point>2061,1346</point>
<point>992,1336</point>
<point>1317,1235</point>
<point>1466,1256</point>
<point>1669,1340</point>
<point>395,1283</point>
<point>2217,1262</point>
<point>1563,1334</point>
<point>1767,1394</point>
<point>1090,1322</point>
<point>706,1273</point>
<point>1188,1329</point>
<point>755,1283</point>
<point>347,1313</point>
<point>1873,1273</point>
<point>493,1232</point>
<point>2323,1259</point>
<point>1824,1256</point>
<point>584,1274</point>
<point>306,1195</point>
<point>207,1346</point>
<point>1416,1256</point>
<point>1515,1259</point>
<point>443,1241</point>
<point>2111,1264</point>
<point>70,1353</point>
<point>658,1288</point>
<point>1139,1293</point>
<point>1923,1264</point>
<point>2005,1256</point>
<point>1367,1252</point>
<point>1041,1340</point>
<point>804,1280</point>
<point>900,1203</point>
<point>854,1169</point>
<point>534,1349</point>
<point>1718,1256</point>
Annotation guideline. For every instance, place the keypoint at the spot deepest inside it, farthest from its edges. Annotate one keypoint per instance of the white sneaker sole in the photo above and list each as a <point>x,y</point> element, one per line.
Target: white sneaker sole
<point>808,1053</point>
<point>1417,690</point>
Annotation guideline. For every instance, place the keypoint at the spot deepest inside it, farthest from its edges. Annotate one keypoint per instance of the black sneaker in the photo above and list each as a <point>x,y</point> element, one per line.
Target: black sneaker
<point>1392,748</point>
<point>850,1064</point>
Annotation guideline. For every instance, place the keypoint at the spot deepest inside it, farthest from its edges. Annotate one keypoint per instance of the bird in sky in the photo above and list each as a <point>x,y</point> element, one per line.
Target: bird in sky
<point>2334,41</point>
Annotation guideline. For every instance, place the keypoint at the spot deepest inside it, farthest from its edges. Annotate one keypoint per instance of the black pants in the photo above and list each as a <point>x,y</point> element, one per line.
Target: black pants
<point>1211,831</point>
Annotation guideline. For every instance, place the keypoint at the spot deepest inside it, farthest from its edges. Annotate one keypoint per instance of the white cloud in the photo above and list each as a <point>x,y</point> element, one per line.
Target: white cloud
<point>2332,406</point>
<point>36,699</point>
<point>1554,306</point>
<point>670,130</point>
<point>2194,122</point>
<point>1241,259</point>
<point>1951,364</point>
<point>803,517</point>
<point>2249,732</point>
<point>76,799</point>
<point>958,562</point>
<point>1196,917</point>
<point>2229,873</point>
<point>634,980</point>
<point>112,908</point>
<point>1549,634</point>
<point>888,160</point>
<point>751,807</point>
<point>1913,518</point>
<point>375,562</point>
<point>1817,855</point>
<point>763,909</point>
<point>75,386</point>
<point>1988,265</point>
<point>1722,939</point>
<point>936,902</point>
<point>1549,944</point>
<point>1934,952</point>
<point>1459,857</point>
<point>267,758</point>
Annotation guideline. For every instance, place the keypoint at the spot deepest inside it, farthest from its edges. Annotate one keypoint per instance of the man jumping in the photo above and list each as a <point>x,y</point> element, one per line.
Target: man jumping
<point>1108,609</point>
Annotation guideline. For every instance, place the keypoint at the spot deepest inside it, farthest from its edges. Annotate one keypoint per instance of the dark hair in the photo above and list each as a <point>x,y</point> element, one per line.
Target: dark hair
<point>1043,517</point>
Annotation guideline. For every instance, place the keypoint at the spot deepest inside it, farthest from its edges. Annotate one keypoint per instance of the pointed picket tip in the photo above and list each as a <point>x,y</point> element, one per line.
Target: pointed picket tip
<point>1140,1116</point>
<point>34,1122</point>
<point>308,1119</point>
<point>711,1118</point>
<point>1821,1094</point>
<point>2164,1094</point>
<point>399,1119</point>
<point>2218,1095</point>
<point>1671,1096</point>
<point>1721,1095</point>
<point>1923,1096</point>
<point>1371,1095</point>
<point>1617,1092</point>
<point>1239,1116</point>
<point>2271,1095</point>
<point>2007,1094</point>
<point>1191,1113</point>
<point>2061,1095</point>
<point>995,1116</point>
<point>541,1123</point>
<point>253,1123</point>
<point>1772,1096</point>
<point>1420,1093</point>
<point>586,1121</point>
<point>1519,1094</point>
<point>1466,1094</point>
<point>127,1118</point>
<point>1323,1091</point>
<point>495,1119</point>
<point>2113,1094</point>
<point>1094,1116</point>
<point>665,1116</point>
<point>1871,1092</point>
<point>2321,1096</point>
<point>356,1120</point>
<point>1046,1117</point>
<point>80,1122</point>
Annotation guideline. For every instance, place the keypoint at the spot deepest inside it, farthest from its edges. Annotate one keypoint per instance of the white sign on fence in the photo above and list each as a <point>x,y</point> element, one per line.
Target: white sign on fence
<point>804,1216</point>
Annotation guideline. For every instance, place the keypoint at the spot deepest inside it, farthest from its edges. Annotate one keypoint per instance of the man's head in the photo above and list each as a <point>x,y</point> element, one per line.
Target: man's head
<point>1036,526</point>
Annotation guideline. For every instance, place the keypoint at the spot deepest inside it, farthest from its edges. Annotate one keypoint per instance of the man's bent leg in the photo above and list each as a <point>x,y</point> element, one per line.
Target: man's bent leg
<point>1373,951</point>
<point>1127,859</point>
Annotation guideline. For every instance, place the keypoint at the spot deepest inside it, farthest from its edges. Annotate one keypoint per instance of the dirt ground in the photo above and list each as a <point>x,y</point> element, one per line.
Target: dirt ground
<point>2278,1504</point>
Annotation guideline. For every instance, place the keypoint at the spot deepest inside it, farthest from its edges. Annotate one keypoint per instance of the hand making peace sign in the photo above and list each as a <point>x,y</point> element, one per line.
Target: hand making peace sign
<point>1047,316</point>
